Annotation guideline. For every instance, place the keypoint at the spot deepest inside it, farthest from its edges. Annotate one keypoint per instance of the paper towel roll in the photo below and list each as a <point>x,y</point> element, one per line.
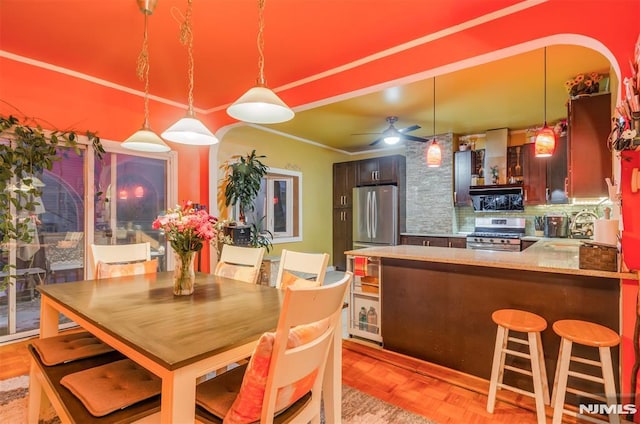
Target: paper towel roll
<point>605,231</point>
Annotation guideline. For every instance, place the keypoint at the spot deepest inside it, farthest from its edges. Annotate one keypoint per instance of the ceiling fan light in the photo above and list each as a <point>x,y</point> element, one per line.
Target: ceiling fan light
<point>434,155</point>
<point>391,139</point>
<point>260,105</point>
<point>545,144</point>
<point>190,130</point>
<point>145,140</point>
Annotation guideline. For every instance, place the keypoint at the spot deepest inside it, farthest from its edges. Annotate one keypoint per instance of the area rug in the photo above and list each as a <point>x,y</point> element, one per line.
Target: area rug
<point>357,407</point>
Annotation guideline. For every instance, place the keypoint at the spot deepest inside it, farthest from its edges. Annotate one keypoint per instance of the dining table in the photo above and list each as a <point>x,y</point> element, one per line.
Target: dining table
<point>177,338</point>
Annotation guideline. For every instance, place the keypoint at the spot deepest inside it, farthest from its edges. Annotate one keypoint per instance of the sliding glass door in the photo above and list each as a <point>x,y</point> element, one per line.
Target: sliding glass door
<point>125,194</point>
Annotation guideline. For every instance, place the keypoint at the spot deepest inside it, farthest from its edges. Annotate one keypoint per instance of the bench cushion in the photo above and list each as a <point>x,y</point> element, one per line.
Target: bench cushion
<point>113,386</point>
<point>69,347</point>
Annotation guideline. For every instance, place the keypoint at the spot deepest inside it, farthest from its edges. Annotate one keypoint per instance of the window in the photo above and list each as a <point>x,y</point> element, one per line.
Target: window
<point>278,208</point>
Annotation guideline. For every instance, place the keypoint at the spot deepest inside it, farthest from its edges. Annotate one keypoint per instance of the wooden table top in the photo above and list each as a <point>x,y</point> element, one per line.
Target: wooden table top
<point>142,312</point>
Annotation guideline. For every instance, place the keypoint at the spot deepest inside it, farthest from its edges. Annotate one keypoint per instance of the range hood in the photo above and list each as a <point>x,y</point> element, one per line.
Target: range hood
<point>496,142</point>
<point>497,198</point>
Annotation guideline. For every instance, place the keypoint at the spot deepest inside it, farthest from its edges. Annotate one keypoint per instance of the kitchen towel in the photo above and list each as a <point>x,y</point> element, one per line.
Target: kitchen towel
<point>606,231</point>
<point>360,266</point>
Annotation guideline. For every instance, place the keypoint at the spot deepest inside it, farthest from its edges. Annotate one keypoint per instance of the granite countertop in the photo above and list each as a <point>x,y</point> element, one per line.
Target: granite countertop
<point>547,255</point>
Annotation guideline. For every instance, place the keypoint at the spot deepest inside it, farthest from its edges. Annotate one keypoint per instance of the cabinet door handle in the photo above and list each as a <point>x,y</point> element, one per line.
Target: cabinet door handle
<point>566,186</point>
<point>449,243</point>
<point>424,242</point>
<point>546,194</point>
<point>525,194</point>
<point>428,242</point>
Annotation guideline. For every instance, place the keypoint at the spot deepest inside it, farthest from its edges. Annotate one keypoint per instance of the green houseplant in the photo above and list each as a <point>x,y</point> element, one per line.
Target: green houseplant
<point>25,152</point>
<point>242,185</point>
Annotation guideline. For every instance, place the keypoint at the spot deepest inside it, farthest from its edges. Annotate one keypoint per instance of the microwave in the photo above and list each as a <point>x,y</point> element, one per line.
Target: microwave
<point>499,198</point>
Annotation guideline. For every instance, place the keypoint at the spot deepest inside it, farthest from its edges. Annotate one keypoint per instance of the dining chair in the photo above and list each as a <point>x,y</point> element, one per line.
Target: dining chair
<point>286,370</point>
<point>295,265</point>
<point>240,263</point>
<point>118,253</point>
<point>79,345</point>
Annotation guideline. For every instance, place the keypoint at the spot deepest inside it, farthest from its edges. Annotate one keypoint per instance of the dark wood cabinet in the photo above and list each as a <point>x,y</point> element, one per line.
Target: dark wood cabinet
<point>342,236</point>
<point>382,170</point>
<point>464,163</point>
<point>534,176</point>
<point>589,124</point>
<point>434,241</point>
<point>557,166</point>
<point>344,180</point>
<point>526,243</point>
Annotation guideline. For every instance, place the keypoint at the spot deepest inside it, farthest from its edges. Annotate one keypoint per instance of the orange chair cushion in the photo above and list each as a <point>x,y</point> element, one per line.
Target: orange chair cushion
<point>107,388</point>
<point>237,272</point>
<point>292,280</point>
<point>69,347</point>
<point>247,405</point>
<point>105,270</point>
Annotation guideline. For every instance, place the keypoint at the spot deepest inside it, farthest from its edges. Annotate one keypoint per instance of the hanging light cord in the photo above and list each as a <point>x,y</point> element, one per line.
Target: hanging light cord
<point>261,81</point>
<point>186,38</point>
<point>434,108</point>
<point>142,71</point>
<point>545,87</point>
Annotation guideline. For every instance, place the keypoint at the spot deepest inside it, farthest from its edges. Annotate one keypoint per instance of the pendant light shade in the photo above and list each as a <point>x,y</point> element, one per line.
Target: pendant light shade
<point>434,152</point>
<point>189,130</point>
<point>434,155</point>
<point>260,105</point>
<point>545,143</point>
<point>145,140</point>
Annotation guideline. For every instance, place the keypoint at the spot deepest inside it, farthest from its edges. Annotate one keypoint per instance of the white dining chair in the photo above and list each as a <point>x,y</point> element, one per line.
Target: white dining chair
<point>118,253</point>
<point>287,366</point>
<point>240,263</point>
<point>295,265</point>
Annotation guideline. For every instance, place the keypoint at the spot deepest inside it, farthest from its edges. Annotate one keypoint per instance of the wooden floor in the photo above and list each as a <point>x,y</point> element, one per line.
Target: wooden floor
<point>435,392</point>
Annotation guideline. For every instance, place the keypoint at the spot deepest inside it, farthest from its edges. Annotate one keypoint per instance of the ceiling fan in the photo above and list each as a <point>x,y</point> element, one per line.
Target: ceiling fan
<point>393,135</point>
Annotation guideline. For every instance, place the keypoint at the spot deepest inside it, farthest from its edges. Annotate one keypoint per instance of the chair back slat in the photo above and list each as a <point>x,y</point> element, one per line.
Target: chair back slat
<point>241,263</point>
<point>302,263</point>
<point>115,253</point>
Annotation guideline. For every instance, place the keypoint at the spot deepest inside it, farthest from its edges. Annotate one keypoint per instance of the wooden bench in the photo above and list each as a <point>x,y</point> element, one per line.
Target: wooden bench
<point>67,406</point>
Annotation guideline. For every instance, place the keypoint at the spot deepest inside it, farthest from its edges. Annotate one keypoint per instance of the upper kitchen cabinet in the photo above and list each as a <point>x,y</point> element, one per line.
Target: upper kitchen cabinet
<point>534,176</point>
<point>382,170</point>
<point>589,159</point>
<point>344,180</point>
<point>464,165</point>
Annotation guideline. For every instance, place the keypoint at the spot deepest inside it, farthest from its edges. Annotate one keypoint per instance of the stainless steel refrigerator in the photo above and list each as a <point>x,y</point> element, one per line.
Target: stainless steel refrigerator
<point>375,216</point>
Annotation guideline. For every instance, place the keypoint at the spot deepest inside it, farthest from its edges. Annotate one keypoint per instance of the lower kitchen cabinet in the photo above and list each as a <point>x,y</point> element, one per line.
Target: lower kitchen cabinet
<point>457,242</point>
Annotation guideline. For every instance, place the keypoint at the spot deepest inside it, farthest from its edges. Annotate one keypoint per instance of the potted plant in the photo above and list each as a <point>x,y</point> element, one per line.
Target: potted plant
<point>242,182</point>
<point>242,185</point>
<point>25,152</point>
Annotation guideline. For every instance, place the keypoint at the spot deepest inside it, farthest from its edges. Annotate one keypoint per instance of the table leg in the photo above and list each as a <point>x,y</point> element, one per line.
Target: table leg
<point>332,384</point>
<point>36,396</point>
<point>49,317</point>
<point>178,398</point>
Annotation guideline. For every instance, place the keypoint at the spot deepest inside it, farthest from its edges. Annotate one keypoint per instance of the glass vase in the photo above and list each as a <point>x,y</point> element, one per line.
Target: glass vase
<point>184,276</point>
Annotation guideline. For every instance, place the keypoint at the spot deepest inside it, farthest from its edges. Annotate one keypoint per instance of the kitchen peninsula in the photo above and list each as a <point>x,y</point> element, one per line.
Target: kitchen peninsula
<point>437,302</point>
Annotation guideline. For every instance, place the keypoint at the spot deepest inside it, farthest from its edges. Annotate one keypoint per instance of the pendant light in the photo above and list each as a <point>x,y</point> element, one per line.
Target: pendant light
<point>260,105</point>
<point>434,152</point>
<point>545,143</point>
<point>189,130</point>
<point>145,140</point>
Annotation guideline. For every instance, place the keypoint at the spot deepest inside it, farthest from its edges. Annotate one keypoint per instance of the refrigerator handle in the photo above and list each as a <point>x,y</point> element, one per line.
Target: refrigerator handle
<point>368,214</point>
<point>374,210</point>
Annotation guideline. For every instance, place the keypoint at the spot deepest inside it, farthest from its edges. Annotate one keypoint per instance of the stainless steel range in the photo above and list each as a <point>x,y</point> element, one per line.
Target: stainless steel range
<point>501,234</point>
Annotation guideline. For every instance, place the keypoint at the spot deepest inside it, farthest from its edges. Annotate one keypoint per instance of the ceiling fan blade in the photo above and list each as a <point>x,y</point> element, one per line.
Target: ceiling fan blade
<point>409,129</point>
<point>374,133</point>
<point>375,142</point>
<point>414,138</point>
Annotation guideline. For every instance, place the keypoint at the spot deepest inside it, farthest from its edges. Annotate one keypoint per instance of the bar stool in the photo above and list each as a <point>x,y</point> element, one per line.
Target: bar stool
<point>587,334</point>
<point>533,325</point>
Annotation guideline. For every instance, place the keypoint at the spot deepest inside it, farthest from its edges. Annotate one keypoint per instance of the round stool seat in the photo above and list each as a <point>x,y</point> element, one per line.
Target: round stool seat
<point>518,320</point>
<point>586,333</point>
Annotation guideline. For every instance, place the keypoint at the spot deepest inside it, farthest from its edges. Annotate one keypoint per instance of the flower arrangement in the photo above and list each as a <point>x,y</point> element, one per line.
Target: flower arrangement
<point>188,227</point>
<point>584,84</point>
